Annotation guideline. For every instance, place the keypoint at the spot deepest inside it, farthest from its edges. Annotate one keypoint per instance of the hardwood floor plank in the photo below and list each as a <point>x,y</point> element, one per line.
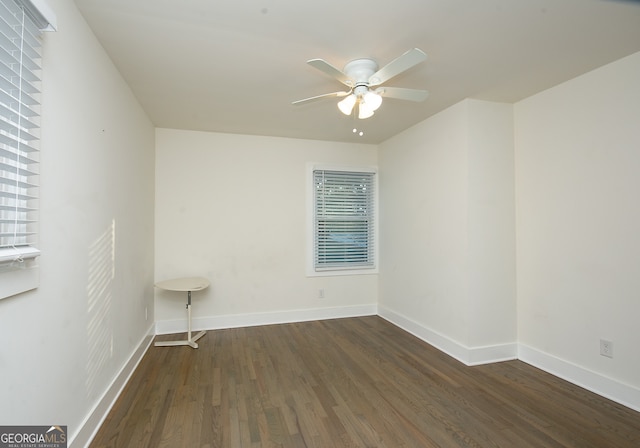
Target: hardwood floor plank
<point>359,382</point>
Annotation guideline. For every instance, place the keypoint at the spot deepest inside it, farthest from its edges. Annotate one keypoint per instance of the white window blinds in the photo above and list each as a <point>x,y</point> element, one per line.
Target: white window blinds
<point>19,126</point>
<point>344,219</point>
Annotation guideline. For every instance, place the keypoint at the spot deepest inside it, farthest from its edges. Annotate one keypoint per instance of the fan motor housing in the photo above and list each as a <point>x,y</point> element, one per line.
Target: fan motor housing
<point>360,70</point>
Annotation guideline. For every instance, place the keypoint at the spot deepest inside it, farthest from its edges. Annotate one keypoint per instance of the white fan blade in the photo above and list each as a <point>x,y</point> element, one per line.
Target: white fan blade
<point>319,97</point>
<point>401,93</point>
<point>330,70</point>
<point>405,62</point>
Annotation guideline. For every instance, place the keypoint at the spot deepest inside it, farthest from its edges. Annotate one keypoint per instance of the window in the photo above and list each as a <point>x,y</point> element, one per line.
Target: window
<point>20,24</point>
<point>343,220</point>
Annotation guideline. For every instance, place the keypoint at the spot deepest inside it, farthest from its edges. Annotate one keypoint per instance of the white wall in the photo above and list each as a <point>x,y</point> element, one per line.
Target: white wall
<point>232,208</point>
<point>424,214</point>
<point>64,343</point>
<point>578,223</point>
<point>448,235</point>
<point>491,226</point>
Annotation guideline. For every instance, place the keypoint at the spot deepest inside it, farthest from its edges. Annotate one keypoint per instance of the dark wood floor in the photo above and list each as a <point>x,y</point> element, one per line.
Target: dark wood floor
<point>358,382</point>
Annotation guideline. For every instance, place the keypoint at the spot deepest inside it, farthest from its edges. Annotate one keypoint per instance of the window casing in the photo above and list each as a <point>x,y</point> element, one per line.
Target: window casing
<point>344,220</point>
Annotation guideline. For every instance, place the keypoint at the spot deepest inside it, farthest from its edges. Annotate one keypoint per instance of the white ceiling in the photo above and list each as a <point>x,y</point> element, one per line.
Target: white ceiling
<point>236,65</point>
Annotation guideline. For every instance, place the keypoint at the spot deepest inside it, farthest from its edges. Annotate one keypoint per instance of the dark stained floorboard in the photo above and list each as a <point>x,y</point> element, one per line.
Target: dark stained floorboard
<point>357,382</point>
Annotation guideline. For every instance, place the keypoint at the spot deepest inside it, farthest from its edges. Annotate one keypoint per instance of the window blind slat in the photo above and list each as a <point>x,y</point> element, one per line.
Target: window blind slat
<point>11,91</point>
<point>14,156</point>
<point>21,184</point>
<point>22,221</point>
<point>18,234</point>
<point>21,172</point>
<point>11,143</point>
<point>11,57</point>
<point>19,209</point>
<point>11,197</point>
<point>15,130</point>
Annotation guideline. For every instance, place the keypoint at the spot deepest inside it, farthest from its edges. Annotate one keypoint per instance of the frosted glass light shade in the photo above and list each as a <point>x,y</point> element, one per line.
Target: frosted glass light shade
<point>364,110</point>
<point>346,105</point>
<point>373,100</point>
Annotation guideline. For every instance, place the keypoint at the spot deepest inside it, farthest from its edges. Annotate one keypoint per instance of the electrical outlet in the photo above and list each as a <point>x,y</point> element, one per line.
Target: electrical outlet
<point>321,293</point>
<point>606,348</point>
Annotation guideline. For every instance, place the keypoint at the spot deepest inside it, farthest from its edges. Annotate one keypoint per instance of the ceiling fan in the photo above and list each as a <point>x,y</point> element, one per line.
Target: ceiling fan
<point>365,83</point>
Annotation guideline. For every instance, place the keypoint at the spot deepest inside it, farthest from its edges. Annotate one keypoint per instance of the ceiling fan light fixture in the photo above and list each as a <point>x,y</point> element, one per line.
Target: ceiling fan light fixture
<point>362,75</point>
<point>364,110</point>
<point>346,105</point>
<point>373,100</point>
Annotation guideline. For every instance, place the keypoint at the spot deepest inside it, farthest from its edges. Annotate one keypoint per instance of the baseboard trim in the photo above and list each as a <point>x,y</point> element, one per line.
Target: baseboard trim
<point>621,393</point>
<point>469,356</point>
<point>611,389</point>
<point>95,418</point>
<point>269,318</point>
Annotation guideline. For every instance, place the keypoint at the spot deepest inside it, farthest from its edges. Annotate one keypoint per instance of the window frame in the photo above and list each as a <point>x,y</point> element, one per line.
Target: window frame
<point>311,269</point>
<point>19,270</point>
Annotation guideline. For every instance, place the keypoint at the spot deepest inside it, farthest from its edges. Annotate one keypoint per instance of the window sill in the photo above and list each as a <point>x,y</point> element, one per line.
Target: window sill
<point>338,272</point>
<point>16,279</point>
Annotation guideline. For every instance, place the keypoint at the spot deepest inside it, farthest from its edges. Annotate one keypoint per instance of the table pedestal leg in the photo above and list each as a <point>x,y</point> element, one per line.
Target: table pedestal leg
<point>190,341</point>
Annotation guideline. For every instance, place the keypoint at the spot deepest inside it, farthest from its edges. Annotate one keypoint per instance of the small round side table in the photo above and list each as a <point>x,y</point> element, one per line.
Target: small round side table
<point>187,284</point>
